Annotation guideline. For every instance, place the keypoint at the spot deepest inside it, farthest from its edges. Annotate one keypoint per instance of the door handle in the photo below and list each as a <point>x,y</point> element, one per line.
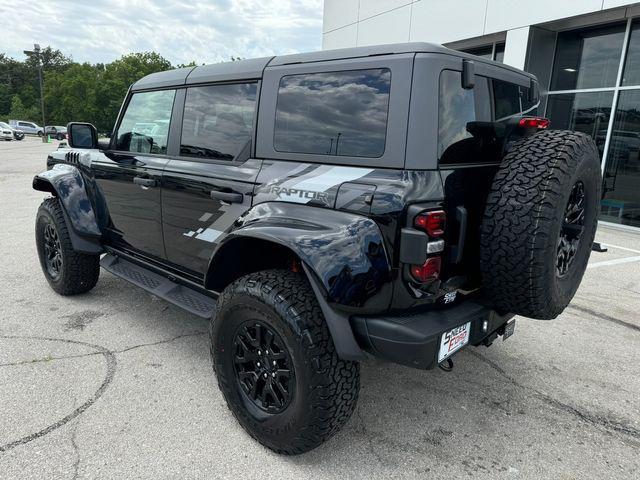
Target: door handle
<point>145,182</point>
<point>229,197</point>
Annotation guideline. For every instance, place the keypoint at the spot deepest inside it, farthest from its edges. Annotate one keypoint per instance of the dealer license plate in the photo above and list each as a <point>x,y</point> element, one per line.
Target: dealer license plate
<point>453,340</point>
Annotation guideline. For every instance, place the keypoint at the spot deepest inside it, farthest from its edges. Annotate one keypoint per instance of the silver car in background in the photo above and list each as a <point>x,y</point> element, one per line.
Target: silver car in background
<point>28,128</point>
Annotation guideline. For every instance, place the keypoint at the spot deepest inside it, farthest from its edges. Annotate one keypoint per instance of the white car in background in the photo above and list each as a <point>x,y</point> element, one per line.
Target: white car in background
<point>6,132</point>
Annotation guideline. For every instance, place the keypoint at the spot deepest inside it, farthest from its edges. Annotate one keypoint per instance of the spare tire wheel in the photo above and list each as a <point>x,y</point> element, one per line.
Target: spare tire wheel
<point>539,223</point>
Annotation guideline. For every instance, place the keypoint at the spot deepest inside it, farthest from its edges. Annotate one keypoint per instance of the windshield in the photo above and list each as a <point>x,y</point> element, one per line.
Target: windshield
<point>4,125</point>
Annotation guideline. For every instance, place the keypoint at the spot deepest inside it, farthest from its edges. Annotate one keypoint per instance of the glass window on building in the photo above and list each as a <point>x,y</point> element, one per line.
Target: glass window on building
<point>586,91</point>
<point>584,112</point>
<point>482,52</point>
<point>621,183</point>
<point>498,55</point>
<point>494,51</point>
<point>587,58</point>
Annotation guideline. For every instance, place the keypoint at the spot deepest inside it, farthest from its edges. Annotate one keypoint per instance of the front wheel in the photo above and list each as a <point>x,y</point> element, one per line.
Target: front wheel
<point>67,271</point>
<point>276,363</point>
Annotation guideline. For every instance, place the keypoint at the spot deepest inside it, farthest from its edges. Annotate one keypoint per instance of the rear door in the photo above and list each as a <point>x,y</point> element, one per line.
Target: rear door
<point>27,127</point>
<point>210,184</point>
<point>130,174</point>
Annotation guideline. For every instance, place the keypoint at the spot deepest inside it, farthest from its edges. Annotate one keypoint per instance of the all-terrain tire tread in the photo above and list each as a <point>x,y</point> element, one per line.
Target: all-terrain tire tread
<point>80,271</point>
<point>335,382</point>
<point>528,189</point>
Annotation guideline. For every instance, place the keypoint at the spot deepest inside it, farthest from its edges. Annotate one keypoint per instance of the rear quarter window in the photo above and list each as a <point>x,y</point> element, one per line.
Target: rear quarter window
<point>469,119</point>
<point>336,113</point>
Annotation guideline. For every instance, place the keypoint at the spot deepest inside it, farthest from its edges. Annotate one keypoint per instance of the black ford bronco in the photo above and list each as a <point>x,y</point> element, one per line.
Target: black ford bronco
<point>401,201</point>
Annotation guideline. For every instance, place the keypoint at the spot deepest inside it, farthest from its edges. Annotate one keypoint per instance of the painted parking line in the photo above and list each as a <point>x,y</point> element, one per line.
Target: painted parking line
<point>605,244</point>
<point>616,261</point>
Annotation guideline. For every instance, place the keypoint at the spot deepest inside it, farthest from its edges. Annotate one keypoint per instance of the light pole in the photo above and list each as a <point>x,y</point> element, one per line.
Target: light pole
<point>36,52</point>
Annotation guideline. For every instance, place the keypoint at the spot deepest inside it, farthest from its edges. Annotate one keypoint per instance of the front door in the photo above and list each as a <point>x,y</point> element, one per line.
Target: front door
<point>211,184</point>
<point>130,175</point>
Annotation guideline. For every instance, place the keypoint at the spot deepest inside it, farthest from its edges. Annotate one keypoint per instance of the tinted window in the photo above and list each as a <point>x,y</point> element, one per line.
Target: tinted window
<point>587,58</point>
<point>507,99</point>
<point>468,119</point>
<point>218,120</point>
<point>455,111</point>
<point>145,125</point>
<point>338,113</point>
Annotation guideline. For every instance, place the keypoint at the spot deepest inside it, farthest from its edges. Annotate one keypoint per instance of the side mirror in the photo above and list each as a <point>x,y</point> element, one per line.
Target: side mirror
<point>82,135</point>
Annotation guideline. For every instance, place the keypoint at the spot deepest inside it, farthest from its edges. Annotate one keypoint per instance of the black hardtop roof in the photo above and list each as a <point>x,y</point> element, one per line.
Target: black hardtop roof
<point>254,68</point>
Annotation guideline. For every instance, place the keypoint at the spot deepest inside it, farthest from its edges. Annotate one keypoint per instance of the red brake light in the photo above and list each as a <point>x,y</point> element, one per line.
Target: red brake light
<point>429,270</point>
<point>534,122</point>
<point>431,222</point>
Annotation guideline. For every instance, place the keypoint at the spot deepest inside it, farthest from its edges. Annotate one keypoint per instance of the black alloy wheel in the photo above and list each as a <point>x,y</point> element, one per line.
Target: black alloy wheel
<point>263,367</point>
<point>67,271</point>
<point>53,251</point>
<point>572,228</point>
<point>276,363</point>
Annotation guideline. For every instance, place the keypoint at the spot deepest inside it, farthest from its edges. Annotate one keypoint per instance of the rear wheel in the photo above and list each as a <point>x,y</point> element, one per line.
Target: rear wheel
<point>41,133</point>
<point>276,363</point>
<point>67,271</point>
<point>539,223</point>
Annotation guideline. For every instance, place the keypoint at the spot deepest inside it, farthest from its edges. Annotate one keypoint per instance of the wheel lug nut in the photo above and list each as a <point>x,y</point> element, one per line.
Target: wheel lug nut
<point>259,352</point>
<point>275,363</point>
<point>273,375</point>
<point>258,364</point>
<point>265,375</point>
<point>266,352</point>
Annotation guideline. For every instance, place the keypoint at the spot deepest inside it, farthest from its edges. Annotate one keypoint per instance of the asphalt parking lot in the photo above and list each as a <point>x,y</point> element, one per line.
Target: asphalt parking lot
<point>118,384</point>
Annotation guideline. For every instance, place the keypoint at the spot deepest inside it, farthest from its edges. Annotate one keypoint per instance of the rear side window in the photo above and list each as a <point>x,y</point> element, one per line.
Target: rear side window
<point>218,121</point>
<point>338,113</point>
<point>145,124</point>
<point>469,119</point>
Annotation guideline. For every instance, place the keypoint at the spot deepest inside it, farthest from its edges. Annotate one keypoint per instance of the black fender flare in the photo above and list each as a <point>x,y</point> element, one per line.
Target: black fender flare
<point>342,253</point>
<point>67,184</point>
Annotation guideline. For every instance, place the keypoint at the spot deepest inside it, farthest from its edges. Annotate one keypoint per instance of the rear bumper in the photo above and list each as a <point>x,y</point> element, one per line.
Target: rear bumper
<point>414,340</point>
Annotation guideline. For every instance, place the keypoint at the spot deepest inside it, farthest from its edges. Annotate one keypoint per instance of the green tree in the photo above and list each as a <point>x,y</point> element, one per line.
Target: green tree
<point>71,94</point>
<point>116,80</point>
<point>20,112</point>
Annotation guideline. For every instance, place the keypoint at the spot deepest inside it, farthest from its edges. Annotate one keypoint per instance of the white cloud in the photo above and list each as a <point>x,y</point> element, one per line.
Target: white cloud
<point>206,31</point>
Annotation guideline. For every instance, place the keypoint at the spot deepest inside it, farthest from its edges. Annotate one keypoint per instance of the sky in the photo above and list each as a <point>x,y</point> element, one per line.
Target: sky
<point>206,31</point>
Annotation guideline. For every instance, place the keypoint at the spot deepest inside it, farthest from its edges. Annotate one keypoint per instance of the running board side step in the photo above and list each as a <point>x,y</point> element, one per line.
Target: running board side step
<point>180,295</point>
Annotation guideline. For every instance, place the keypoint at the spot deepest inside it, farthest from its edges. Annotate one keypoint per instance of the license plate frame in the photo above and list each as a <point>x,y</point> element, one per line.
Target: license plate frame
<point>453,340</point>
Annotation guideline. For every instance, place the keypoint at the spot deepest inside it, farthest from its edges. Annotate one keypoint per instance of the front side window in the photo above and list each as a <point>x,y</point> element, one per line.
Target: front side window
<point>218,120</point>
<point>337,113</point>
<point>145,124</point>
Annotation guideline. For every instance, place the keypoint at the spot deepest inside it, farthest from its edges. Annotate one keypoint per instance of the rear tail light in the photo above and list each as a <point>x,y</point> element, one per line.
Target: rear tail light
<point>432,222</point>
<point>534,122</point>
<point>429,270</point>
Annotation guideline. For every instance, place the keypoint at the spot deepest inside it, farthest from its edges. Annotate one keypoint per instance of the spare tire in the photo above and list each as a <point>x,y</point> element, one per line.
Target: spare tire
<point>539,223</point>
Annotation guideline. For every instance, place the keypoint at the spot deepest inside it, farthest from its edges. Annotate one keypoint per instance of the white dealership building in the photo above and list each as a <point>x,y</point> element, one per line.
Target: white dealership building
<point>586,54</point>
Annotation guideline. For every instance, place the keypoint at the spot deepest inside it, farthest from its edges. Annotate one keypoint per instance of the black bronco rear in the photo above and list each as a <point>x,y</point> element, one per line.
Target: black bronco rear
<point>402,201</point>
